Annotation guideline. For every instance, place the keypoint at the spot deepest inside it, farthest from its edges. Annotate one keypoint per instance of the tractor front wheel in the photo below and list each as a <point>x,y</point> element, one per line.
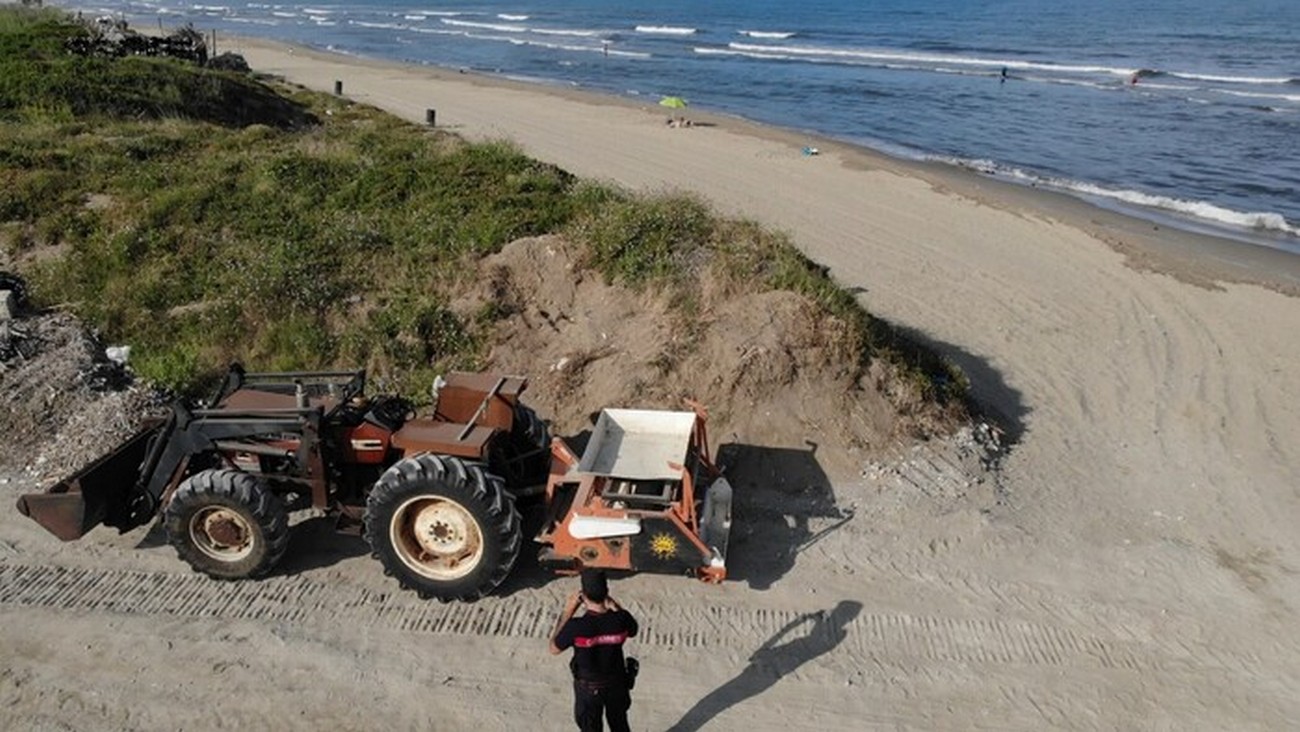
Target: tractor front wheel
<point>443,527</point>
<point>227,524</point>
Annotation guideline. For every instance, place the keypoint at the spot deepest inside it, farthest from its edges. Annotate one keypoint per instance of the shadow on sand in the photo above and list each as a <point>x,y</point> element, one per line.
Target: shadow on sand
<point>784,504</point>
<point>990,392</point>
<point>313,543</point>
<point>801,640</point>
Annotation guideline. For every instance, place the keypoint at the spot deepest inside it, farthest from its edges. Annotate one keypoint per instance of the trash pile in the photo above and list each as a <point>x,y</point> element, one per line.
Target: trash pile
<point>110,37</point>
<point>63,401</point>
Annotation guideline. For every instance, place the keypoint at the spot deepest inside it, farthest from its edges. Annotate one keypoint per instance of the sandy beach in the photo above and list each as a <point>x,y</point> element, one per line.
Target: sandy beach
<point>1133,564</point>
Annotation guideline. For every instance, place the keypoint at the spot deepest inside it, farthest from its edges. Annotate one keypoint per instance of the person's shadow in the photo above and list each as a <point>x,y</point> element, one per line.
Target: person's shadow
<point>772,661</point>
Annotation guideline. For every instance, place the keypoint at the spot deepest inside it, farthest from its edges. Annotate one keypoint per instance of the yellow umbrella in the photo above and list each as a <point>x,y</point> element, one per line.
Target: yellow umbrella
<point>673,102</point>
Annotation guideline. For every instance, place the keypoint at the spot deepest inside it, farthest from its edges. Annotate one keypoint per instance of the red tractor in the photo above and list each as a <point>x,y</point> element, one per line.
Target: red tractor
<point>434,496</point>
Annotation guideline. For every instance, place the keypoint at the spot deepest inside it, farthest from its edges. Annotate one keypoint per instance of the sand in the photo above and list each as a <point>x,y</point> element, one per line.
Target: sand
<point>1133,564</point>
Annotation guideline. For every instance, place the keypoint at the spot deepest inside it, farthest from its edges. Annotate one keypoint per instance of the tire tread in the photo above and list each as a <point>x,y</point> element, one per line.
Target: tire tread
<point>233,489</point>
<point>460,480</point>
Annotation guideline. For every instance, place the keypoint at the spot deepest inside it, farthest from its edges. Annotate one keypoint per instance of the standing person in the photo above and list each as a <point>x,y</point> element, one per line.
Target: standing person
<point>600,674</point>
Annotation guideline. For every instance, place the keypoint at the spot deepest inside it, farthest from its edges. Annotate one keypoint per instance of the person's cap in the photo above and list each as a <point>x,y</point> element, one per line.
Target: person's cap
<point>594,586</point>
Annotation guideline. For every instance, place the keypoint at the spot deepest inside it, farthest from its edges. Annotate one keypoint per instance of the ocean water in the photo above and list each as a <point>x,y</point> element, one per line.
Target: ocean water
<point>1186,111</point>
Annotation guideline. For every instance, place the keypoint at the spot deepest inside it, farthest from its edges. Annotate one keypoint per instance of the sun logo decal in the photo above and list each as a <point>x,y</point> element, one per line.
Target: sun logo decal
<point>663,545</point>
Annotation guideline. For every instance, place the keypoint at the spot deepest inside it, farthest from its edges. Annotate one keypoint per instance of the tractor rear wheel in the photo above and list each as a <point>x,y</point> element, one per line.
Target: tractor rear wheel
<point>531,437</point>
<point>443,527</point>
<point>227,524</point>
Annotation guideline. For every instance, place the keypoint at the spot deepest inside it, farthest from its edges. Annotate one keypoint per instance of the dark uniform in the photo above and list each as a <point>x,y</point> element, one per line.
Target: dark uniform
<point>599,676</point>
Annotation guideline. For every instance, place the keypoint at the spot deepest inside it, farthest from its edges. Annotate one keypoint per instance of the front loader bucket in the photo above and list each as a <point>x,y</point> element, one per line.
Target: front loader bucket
<point>98,493</point>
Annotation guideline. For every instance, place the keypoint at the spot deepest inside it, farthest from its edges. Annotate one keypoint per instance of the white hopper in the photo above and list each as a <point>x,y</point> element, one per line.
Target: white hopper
<point>638,444</point>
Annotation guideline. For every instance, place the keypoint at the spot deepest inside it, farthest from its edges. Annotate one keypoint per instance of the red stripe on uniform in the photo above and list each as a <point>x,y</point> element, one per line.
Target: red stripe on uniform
<point>612,639</point>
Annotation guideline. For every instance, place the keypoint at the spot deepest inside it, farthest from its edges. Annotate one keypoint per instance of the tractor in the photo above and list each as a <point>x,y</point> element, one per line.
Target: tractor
<point>434,496</point>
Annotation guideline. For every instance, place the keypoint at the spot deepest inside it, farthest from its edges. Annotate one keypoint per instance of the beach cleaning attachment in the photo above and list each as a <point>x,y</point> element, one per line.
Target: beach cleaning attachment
<point>644,496</point>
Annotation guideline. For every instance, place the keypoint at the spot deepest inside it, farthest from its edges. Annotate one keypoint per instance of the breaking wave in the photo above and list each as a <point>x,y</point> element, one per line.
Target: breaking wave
<point>1260,221</point>
<point>484,26</point>
<point>670,30</point>
<point>870,54</point>
<point>780,35</point>
<point>513,28</point>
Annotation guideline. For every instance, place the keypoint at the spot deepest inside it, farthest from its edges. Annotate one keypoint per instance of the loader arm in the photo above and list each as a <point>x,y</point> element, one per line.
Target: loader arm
<point>194,432</point>
<point>125,488</point>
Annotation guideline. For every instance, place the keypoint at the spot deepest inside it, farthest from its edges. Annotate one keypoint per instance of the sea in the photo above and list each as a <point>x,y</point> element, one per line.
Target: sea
<point>1185,112</point>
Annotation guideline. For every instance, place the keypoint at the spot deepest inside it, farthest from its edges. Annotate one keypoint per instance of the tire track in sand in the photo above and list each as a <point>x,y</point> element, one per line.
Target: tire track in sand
<point>886,638</point>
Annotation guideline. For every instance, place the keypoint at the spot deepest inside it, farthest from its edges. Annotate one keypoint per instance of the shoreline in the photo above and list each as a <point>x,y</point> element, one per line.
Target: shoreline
<point>1190,256</point>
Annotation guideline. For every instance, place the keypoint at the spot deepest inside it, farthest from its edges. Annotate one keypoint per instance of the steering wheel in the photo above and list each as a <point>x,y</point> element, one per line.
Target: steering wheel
<point>391,411</point>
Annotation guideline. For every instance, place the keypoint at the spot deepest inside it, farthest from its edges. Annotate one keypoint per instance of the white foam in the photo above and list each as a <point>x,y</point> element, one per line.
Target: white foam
<point>1259,95</point>
<point>629,54</point>
<point>708,51</point>
<point>882,55</point>
<point>1258,220</point>
<point>518,41</point>
<point>670,30</point>
<point>1019,64</point>
<point>512,28</point>
<point>576,32</point>
<point>437,31</point>
<point>508,16</point>
<point>767,34</point>
<point>705,51</point>
<point>1167,87</point>
<point>316,11</point>
<point>1232,79</point>
<point>385,26</point>
<point>1254,220</point>
<point>499,27</point>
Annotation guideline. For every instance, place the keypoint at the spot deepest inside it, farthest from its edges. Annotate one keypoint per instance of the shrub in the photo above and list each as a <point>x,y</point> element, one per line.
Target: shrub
<point>640,241</point>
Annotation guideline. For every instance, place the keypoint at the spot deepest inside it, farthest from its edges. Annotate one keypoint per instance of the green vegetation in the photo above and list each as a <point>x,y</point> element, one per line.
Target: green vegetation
<point>202,217</point>
<point>40,82</point>
<point>676,241</point>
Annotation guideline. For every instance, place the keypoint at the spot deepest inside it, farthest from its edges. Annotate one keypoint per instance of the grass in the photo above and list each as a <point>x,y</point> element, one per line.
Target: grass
<point>675,240</point>
<point>205,217</point>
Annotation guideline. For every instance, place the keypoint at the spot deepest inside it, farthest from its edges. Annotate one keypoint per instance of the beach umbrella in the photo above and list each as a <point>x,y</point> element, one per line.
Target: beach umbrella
<point>673,102</point>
